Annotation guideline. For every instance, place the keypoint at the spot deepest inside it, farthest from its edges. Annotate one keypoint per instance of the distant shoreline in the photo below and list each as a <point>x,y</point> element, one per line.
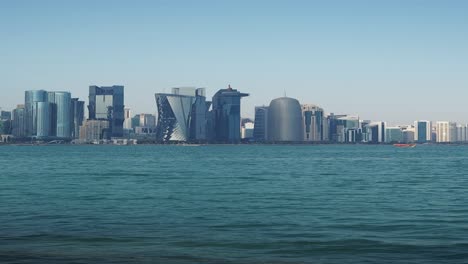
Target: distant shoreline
<point>240,144</point>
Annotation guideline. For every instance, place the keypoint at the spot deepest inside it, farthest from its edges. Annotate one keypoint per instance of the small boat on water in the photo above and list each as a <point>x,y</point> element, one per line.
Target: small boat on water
<point>404,145</point>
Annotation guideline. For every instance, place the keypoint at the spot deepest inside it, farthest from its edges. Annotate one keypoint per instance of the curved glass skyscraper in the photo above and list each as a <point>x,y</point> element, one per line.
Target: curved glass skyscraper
<point>181,117</point>
<point>44,112</point>
<point>30,100</point>
<point>64,118</point>
<point>48,114</point>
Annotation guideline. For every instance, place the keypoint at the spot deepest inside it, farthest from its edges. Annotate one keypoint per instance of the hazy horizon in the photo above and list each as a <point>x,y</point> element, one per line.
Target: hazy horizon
<point>395,61</point>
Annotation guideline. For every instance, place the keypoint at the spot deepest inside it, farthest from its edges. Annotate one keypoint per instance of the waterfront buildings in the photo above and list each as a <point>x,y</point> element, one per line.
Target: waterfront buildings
<point>312,120</point>
<point>260,133</point>
<point>285,120</point>
<point>107,103</point>
<point>182,115</point>
<point>94,130</point>
<point>225,115</point>
<point>422,131</point>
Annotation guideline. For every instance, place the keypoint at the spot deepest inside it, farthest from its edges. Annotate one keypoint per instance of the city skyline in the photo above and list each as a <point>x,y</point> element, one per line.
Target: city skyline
<point>399,62</point>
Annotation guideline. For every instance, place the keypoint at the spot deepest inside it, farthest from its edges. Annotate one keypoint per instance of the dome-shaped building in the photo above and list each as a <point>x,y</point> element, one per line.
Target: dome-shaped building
<point>285,120</point>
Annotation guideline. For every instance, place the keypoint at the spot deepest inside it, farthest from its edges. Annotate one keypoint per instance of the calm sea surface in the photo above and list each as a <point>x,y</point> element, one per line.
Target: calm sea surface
<point>233,204</point>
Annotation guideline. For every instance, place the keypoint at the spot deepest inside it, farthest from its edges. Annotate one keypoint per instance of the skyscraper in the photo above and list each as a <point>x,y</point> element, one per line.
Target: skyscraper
<point>181,115</point>
<point>446,132</point>
<point>19,122</point>
<point>462,133</point>
<point>422,131</point>
<point>260,132</point>
<point>44,119</point>
<point>30,100</point>
<point>127,118</point>
<point>63,107</point>
<point>77,113</point>
<point>312,119</point>
<point>376,132</point>
<point>226,115</point>
<point>107,103</point>
<point>285,120</point>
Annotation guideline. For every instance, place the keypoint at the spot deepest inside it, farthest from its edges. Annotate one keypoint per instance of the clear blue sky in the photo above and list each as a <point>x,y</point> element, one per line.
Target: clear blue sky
<point>385,60</point>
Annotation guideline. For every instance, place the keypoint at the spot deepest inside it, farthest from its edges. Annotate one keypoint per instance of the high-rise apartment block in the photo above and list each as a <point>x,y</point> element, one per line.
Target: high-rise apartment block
<point>422,131</point>
<point>312,120</point>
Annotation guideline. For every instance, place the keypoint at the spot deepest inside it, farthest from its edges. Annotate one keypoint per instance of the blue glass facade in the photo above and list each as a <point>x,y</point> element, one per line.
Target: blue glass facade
<point>260,132</point>
<point>182,117</point>
<point>63,113</point>
<point>226,115</point>
<point>422,132</point>
<point>31,98</point>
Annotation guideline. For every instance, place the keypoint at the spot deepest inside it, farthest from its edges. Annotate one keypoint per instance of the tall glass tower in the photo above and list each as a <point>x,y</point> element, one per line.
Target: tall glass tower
<point>226,115</point>
<point>30,100</point>
<point>63,123</point>
<point>260,132</point>
<point>182,115</point>
<point>77,116</point>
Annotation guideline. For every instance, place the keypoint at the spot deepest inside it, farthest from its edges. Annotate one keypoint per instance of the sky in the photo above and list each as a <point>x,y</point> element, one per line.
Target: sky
<point>395,61</point>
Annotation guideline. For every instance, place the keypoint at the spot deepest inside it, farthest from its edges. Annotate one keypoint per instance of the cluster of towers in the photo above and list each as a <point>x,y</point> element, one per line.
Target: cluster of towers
<point>286,120</point>
<point>186,116</point>
<point>55,115</point>
<point>48,114</point>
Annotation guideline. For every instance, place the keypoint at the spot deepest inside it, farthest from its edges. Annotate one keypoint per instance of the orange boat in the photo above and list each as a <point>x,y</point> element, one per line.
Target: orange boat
<point>404,145</point>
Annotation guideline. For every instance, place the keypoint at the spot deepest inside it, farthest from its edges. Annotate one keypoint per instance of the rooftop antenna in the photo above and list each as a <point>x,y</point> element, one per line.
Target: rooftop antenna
<point>284,93</point>
<point>229,87</point>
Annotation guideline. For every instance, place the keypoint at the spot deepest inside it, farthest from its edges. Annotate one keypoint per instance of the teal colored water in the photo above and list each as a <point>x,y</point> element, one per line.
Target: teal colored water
<point>233,204</point>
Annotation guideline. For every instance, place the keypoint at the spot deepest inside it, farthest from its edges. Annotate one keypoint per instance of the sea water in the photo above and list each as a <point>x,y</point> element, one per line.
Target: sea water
<point>233,204</point>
